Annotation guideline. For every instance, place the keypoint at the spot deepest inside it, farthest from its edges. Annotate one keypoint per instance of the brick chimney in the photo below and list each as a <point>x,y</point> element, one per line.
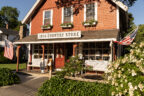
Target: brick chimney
<point>21,31</point>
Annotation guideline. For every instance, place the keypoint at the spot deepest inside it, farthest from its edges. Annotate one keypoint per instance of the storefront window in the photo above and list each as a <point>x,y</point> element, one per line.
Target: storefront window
<point>38,52</point>
<point>96,51</point>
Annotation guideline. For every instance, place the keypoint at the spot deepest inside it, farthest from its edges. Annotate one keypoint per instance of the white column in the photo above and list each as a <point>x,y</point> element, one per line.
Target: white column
<point>80,50</point>
<point>111,48</point>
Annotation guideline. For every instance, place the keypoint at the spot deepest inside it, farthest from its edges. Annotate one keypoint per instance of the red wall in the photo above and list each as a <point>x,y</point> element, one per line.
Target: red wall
<point>107,18</point>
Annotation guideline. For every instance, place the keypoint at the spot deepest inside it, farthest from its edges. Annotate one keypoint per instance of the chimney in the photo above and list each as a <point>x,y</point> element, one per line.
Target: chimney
<point>6,26</point>
<point>21,32</point>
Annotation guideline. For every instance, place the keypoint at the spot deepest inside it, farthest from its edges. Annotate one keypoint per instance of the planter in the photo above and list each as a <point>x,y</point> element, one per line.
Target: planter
<point>46,27</point>
<point>90,23</point>
<point>67,25</point>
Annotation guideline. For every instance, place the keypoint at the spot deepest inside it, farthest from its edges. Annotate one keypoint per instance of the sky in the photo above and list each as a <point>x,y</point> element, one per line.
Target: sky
<point>24,6</point>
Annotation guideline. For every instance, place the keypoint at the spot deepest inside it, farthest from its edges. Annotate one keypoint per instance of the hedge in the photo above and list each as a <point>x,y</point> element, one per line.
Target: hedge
<point>7,77</point>
<point>63,87</point>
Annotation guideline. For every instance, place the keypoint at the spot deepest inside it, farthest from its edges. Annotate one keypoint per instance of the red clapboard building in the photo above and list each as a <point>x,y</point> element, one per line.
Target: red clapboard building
<point>64,28</point>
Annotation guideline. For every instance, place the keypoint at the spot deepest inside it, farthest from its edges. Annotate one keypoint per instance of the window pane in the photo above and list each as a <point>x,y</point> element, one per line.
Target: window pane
<point>90,11</point>
<point>47,14</point>
<point>46,21</point>
<point>67,14</point>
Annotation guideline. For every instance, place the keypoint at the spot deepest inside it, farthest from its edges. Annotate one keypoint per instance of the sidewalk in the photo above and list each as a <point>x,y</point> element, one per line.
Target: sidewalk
<point>28,87</point>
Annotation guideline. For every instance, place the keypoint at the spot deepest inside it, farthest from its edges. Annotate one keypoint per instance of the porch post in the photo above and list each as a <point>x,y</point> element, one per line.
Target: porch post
<point>74,49</point>
<point>17,68</point>
<point>43,56</point>
<point>111,48</point>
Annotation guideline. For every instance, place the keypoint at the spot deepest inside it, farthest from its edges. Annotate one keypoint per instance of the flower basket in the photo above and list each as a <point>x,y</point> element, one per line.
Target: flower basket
<point>45,27</point>
<point>90,23</point>
<point>66,25</point>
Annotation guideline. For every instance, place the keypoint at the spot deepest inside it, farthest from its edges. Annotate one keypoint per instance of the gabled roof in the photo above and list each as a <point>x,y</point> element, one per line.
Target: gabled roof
<point>39,2</point>
<point>8,31</point>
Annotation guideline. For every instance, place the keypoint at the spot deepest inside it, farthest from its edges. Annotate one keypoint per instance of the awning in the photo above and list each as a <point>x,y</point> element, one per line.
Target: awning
<point>87,36</point>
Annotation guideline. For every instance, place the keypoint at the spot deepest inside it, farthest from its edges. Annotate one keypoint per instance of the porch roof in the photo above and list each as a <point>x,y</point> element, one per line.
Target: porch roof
<point>87,36</point>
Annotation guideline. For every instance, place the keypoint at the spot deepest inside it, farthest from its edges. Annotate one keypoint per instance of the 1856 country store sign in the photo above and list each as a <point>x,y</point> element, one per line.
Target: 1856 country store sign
<point>55,35</point>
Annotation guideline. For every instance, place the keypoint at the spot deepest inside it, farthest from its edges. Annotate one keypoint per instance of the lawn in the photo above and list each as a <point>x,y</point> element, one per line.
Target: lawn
<point>13,66</point>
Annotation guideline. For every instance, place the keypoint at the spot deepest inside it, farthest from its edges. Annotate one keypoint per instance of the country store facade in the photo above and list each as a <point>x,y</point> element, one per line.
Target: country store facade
<point>64,29</point>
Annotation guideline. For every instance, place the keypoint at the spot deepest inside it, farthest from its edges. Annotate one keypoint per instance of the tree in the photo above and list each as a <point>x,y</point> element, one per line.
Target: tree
<point>9,15</point>
<point>140,35</point>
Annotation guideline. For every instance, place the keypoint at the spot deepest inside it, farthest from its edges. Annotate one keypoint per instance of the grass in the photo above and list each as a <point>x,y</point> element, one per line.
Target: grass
<point>13,66</point>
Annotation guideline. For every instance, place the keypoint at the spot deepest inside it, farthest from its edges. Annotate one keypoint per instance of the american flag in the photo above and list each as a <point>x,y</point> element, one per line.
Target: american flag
<point>8,50</point>
<point>128,39</point>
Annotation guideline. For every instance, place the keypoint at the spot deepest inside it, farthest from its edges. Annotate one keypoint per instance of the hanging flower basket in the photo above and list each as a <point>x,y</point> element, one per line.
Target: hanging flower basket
<point>90,23</point>
<point>48,26</point>
<point>66,25</point>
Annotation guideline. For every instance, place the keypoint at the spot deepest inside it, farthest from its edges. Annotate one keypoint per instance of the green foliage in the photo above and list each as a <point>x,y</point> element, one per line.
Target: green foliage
<point>66,25</point>
<point>7,77</point>
<point>72,67</point>
<point>140,35</point>
<point>10,16</point>
<point>63,87</point>
<point>127,74</point>
<point>90,22</point>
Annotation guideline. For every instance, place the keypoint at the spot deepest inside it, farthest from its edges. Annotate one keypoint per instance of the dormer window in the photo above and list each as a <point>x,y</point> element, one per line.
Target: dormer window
<point>67,17</point>
<point>90,14</point>
<point>47,19</point>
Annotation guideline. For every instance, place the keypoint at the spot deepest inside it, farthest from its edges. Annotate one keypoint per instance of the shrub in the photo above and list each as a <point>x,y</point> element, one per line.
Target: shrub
<point>63,87</point>
<point>127,74</point>
<point>72,67</point>
<point>7,77</point>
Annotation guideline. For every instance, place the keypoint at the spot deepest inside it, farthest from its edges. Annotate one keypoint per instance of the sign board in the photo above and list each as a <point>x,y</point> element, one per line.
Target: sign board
<point>56,35</point>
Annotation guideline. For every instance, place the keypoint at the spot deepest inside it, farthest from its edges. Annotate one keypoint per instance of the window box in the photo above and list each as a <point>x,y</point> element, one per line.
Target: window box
<point>66,25</point>
<point>90,23</point>
<point>45,27</point>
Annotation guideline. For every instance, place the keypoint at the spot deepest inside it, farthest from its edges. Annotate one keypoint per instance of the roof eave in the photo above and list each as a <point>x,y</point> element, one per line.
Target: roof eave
<point>31,11</point>
<point>121,5</point>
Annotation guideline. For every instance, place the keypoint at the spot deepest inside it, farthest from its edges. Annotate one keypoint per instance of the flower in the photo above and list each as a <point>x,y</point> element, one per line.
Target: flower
<point>140,86</point>
<point>133,73</point>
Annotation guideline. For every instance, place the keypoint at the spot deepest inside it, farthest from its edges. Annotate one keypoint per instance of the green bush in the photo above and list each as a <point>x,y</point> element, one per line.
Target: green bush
<point>7,77</point>
<point>127,74</point>
<point>72,67</point>
<point>63,87</point>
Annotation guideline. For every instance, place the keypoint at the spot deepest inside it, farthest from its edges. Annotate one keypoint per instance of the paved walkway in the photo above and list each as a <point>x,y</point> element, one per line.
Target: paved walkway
<point>28,87</point>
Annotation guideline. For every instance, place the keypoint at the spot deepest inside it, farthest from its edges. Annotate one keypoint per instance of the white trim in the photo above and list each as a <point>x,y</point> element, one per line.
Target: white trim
<point>51,16</point>
<point>31,11</point>
<point>71,14</point>
<point>62,15</point>
<point>118,17</point>
<point>30,28</point>
<point>84,12</point>
<point>96,13</point>
<point>67,41</point>
<point>120,4</point>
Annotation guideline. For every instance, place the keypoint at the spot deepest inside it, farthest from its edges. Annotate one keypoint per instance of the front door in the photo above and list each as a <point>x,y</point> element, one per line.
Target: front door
<point>59,55</point>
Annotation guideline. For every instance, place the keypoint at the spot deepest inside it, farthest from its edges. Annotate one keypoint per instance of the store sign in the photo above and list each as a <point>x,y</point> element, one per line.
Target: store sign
<point>56,35</point>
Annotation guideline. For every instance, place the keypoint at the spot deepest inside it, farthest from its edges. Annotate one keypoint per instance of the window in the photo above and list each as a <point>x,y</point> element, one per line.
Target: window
<point>38,51</point>
<point>90,12</point>
<point>96,51</point>
<point>47,17</point>
<point>67,15</point>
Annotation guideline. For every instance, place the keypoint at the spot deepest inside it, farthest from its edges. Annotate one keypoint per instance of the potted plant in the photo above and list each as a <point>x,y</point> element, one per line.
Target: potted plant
<point>66,25</point>
<point>48,26</point>
<point>90,23</point>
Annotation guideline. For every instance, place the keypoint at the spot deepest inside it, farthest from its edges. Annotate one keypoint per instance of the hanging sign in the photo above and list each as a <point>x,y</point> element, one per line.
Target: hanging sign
<point>55,35</point>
